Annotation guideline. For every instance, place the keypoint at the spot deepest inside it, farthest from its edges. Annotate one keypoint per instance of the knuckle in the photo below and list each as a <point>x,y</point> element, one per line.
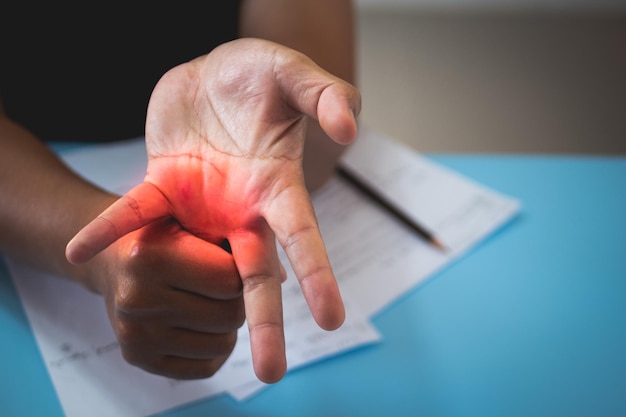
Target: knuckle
<point>234,315</point>
<point>202,369</point>
<point>255,282</point>
<point>226,344</point>
<point>138,355</point>
<point>217,351</point>
<point>128,300</point>
<point>139,256</point>
<point>133,357</point>
<point>294,238</point>
<point>129,334</point>
<point>225,317</point>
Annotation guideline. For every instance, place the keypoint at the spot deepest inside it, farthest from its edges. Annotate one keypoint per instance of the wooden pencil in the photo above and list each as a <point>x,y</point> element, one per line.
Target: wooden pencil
<point>390,207</point>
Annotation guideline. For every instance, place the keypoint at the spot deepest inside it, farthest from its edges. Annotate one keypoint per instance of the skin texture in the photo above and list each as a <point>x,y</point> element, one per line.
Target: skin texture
<point>225,162</point>
<point>175,299</point>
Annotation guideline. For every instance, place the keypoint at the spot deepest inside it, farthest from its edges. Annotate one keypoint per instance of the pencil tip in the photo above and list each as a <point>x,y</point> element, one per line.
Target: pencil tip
<point>437,243</point>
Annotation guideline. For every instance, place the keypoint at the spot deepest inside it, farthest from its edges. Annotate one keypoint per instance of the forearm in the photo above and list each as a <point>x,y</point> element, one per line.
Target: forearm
<point>44,203</point>
<point>322,30</point>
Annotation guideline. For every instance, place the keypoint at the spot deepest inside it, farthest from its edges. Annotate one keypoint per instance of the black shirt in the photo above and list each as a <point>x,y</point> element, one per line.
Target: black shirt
<point>86,74</point>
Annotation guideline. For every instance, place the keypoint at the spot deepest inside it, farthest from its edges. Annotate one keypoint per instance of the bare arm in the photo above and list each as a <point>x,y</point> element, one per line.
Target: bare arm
<point>44,203</point>
<point>322,30</point>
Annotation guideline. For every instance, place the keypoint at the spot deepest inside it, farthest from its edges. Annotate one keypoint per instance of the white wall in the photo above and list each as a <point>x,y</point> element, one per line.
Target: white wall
<point>468,5</point>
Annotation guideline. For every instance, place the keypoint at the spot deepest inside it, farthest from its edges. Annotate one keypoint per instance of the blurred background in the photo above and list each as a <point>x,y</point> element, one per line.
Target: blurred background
<point>495,76</point>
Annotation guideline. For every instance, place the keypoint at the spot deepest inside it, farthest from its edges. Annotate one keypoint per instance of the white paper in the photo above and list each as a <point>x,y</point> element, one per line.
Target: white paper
<point>387,258</point>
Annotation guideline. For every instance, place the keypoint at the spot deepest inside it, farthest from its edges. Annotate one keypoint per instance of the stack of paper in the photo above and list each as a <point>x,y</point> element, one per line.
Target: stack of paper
<point>364,243</point>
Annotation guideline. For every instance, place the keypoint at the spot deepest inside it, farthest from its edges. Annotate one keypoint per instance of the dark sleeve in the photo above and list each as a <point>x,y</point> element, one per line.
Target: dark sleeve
<point>88,75</point>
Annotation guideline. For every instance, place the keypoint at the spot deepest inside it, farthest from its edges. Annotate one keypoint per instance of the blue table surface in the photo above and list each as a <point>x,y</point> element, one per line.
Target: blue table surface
<point>532,322</point>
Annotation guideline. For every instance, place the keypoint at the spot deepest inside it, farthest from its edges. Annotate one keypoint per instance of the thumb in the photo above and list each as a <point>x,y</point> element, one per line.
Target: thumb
<point>337,108</point>
<point>141,205</point>
<point>332,101</point>
<point>299,81</point>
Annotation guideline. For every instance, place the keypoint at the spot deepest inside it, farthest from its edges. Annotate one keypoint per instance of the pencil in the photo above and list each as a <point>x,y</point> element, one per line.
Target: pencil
<point>390,207</point>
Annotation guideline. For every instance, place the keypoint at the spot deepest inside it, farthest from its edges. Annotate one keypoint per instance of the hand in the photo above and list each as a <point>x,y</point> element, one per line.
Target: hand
<point>173,312</point>
<point>224,136</point>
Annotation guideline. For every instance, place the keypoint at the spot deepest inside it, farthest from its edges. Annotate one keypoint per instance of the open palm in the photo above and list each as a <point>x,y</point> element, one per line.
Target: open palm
<point>225,136</point>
